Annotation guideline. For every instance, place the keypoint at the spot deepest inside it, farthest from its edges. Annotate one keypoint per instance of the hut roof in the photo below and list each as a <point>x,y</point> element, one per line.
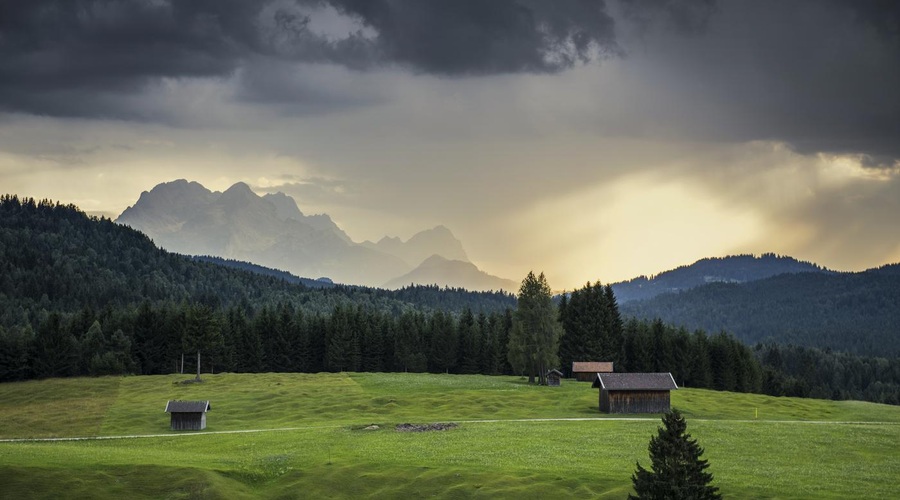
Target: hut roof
<point>555,371</point>
<point>176,406</point>
<point>635,381</point>
<point>592,366</point>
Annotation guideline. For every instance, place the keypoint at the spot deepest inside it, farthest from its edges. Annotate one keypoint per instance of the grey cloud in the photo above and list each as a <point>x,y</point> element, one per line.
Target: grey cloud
<point>456,37</point>
<point>853,227</point>
<point>305,90</point>
<point>87,57</point>
<point>79,57</point>
<point>882,15</point>
<point>819,76</point>
<point>681,16</point>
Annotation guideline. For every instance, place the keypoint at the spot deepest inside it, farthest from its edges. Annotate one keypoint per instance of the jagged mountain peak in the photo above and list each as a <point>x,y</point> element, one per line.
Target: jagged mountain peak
<point>240,187</point>
<point>285,206</point>
<point>174,191</point>
<point>239,191</point>
<point>164,206</point>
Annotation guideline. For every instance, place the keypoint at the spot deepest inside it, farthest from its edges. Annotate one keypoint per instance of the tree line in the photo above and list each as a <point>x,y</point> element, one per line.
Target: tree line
<point>159,338</point>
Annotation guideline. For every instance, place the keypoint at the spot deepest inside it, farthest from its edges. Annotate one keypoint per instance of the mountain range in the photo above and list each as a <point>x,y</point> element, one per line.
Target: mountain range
<point>731,269</point>
<point>270,230</point>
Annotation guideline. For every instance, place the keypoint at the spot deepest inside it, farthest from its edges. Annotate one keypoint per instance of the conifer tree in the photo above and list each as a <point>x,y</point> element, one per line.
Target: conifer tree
<point>534,339</point>
<point>201,332</point>
<point>677,472</point>
<point>592,326</point>
<point>55,349</point>
<point>444,343</point>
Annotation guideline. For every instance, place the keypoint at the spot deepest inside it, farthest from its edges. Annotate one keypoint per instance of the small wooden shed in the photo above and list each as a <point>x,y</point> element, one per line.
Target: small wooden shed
<point>188,415</point>
<point>586,371</point>
<point>634,392</point>
<point>553,377</point>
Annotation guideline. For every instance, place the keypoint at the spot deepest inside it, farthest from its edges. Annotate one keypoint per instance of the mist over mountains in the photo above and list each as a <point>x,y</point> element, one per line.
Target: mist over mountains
<point>271,230</point>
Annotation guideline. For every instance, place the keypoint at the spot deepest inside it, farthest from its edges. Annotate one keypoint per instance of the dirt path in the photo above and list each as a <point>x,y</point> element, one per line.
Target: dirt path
<point>483,421</point>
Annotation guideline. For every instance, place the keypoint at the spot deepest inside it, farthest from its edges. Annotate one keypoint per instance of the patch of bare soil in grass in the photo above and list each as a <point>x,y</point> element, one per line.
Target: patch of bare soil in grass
<point>426,427</point>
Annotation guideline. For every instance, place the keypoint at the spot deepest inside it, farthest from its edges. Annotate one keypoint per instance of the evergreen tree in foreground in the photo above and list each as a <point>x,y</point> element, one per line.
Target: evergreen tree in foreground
<point>677,472</point>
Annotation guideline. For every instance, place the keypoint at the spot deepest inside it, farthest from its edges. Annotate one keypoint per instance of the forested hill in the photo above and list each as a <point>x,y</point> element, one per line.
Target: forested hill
<point>732,269</point>
<point>854,312</point>
<point>266,271</point>
<point>55,258</point>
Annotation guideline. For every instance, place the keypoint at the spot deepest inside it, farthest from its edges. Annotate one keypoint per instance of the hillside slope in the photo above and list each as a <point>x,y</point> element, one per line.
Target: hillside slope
<point>732,269</point>
<point>855,312</point>
<point>327,447</point>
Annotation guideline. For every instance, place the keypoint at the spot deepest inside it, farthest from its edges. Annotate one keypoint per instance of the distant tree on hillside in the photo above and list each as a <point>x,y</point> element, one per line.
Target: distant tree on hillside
<point>677,472</point>
<point>201,332</point>
<point>55,350</point>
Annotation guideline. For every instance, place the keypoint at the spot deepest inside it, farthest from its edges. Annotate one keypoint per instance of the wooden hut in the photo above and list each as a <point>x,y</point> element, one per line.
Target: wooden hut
<point>553,377</point>
<point>634,392</point>
<point>188,415</point>
<point>586,371</point>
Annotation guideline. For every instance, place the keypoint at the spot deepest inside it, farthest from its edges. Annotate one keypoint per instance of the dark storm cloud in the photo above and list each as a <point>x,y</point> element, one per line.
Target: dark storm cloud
<point>882,15</point>
<point>843,93</point>
<point>78,57</point>
<point>85,58</point>
<point>481,37</point>
<point>682,16</point>
<point>819,76</point>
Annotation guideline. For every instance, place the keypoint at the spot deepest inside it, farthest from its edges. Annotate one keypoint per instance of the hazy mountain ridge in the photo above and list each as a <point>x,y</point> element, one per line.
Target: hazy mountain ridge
<point>273,232</point>
<point>453,273</point>
<point>730,269</point>
<point>421,246</point>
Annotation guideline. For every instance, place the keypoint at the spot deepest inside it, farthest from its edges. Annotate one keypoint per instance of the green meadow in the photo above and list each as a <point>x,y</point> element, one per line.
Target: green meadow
<point>312,436</point>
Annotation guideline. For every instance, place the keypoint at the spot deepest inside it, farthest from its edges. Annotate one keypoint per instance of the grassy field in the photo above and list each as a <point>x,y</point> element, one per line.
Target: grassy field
<point>314,443</point>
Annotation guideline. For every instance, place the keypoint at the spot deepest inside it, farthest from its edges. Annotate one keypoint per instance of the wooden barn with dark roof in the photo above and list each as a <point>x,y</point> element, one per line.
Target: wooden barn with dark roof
<point>188,415</point>
<point>586,371</point>
<point>634,392</point>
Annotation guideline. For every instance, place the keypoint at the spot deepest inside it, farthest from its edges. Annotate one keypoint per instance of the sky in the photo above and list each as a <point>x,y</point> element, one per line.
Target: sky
<point>591,140</point>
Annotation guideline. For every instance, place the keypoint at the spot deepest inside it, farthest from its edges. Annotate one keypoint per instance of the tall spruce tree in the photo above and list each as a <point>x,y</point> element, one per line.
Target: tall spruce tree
<point>534,339</point>
<point>202,332</point>
<point>677,472</point>
<point>444,343</point>
<point>592,326</point>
